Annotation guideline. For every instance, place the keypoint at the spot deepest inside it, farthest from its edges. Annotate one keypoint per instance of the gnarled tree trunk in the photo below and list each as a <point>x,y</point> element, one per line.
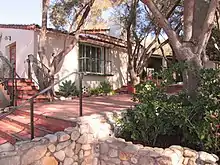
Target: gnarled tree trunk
<point>197,29</point>
<point>45,77</point>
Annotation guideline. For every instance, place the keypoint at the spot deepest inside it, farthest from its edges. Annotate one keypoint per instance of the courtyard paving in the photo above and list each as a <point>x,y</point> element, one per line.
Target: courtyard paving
<point>69,109</point>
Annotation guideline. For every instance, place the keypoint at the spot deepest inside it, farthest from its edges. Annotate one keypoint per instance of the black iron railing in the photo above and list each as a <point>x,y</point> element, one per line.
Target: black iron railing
<point>31,100</point>
<point>8,75</point>
<point>37,67</point>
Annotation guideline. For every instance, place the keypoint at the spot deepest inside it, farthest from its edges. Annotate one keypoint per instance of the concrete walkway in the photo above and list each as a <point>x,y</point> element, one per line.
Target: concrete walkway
<point>69,109</point>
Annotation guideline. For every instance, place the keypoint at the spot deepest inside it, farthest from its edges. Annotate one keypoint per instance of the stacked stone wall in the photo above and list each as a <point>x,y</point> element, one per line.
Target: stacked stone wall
<point>91,141</point>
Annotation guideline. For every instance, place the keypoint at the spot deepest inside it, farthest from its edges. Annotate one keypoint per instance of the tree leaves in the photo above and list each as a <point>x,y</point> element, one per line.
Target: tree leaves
<point>63,12</point>
<point>213,46</point>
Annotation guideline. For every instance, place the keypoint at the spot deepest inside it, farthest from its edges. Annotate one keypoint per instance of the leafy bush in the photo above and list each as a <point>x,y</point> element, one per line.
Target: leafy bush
<point>68,88</point>
<point>103,88</point>
<point>95,91</point>
<point>162,120</point>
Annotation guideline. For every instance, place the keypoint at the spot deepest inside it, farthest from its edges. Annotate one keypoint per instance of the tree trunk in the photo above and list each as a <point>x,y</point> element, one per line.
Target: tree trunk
<point>42,41</point>
<point>191,78</point>
<point>43,76</point>
<point>133,76</point>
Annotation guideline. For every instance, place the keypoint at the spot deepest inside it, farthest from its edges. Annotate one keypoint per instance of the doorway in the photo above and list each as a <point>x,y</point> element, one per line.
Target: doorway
<point>12,57</point>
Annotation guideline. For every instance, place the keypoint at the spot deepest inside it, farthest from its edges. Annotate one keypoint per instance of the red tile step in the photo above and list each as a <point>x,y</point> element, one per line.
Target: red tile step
<point>10,83</point>
<point>26,97</point>
<point>7,132</point>
<point>2,140</point>
<point>21,101</point>
<point>46,121</point>
<point>25,90</point>
<point>16,126</point>
<point>26,123</point>
<point>13,120</point>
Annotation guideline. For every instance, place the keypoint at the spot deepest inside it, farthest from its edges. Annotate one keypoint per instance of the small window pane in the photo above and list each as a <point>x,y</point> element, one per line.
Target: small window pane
<point>88,51</point>
<point>80,51</point>
<point>94,59</point>
<point>87,62</point>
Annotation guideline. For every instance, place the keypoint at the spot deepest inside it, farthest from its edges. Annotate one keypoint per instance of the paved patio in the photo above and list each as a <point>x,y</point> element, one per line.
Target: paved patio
<point>69,109</point>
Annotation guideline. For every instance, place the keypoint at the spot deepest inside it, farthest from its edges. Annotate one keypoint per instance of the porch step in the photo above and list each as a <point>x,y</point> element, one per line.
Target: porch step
<point>16,126</point>
<point>7,132</point>
<point>2,140</point>
<point>20,84</point>
<point>25,123</point>
<point>21,101</point>
<point>45,121</point>
<point>21,80</point>
<point>26,97</point>
<point>25,90</point>
<point>13,120</point>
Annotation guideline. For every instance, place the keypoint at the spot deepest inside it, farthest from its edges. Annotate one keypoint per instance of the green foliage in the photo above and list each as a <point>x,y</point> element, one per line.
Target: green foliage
<point>104,88</point>
<point>192,122</point>
<point>68,88</point>
<point>61,11</point>
<point>167,74</point>
<point>95,91</point>
<point>214,45</point>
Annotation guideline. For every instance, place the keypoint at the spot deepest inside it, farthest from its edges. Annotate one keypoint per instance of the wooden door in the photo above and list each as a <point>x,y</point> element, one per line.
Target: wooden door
<point>12,53</point>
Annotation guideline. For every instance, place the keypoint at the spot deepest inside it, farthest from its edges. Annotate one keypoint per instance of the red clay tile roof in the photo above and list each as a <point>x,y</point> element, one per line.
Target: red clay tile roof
<point>92,34</point>
<point>20,26</point>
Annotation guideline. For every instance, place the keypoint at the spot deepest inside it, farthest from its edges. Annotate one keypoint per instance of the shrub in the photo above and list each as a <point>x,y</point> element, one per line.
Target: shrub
<point>95,91</point>
<point>68,88</point>
<point>105,87</point>
<point>178,119</point>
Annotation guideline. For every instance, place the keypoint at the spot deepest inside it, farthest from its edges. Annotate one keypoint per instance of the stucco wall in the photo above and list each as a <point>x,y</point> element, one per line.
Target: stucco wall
<point>119,67</point>
<point>54,45</point>
<point>118,56</point>
<point>27,43</point>
<point>24,46</point>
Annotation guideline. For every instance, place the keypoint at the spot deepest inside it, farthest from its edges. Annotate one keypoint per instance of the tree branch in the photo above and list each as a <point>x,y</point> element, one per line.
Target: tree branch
<point>58,58</point>
<point>163,23</point>
<point>217,18</point>
<point>207,26</point>
<point>188,19</point>
<point>73,21</point>
<point>144,58</point>
<point>85,15</point>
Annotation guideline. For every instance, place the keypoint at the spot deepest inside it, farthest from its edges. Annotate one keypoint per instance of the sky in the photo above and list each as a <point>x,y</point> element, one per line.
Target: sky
<point>28,12</point>
<point>20,12</point>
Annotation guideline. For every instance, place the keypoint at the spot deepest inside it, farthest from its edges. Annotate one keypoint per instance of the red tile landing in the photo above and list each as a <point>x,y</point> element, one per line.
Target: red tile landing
<point>69,109</point>
<point>49,117</point>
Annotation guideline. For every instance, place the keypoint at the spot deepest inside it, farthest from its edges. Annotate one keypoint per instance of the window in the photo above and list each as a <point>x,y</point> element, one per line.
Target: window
<point>94,59</point>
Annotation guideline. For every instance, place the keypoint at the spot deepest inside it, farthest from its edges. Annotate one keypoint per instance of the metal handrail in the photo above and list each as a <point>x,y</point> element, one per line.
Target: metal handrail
<point>14,81</point>
<point>9,64</point>
<point>36,61</point>
<point>14,108</point>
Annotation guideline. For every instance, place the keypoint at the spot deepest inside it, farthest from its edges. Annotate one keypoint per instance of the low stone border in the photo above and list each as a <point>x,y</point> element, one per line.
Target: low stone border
<point>117,151</point>
<point>90,142</point>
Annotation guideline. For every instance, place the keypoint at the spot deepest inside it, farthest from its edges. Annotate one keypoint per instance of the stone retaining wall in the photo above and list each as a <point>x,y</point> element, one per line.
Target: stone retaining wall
<point>90,142</point>
<point>118,152</point>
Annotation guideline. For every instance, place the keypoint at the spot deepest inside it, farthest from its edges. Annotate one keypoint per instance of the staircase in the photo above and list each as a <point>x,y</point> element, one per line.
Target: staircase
<point>16,126</point>
<point>24,90</point>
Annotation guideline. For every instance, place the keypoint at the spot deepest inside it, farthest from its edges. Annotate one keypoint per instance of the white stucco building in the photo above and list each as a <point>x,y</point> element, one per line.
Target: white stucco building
<point>101,56</point>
